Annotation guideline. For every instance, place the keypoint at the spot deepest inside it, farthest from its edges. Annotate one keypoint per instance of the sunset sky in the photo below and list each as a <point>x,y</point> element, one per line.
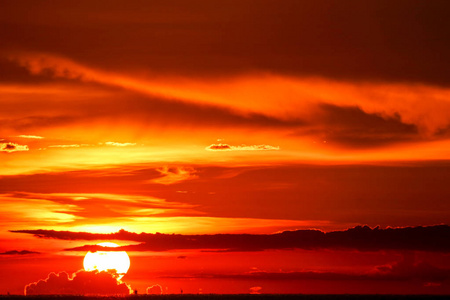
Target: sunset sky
<point>251,146</point>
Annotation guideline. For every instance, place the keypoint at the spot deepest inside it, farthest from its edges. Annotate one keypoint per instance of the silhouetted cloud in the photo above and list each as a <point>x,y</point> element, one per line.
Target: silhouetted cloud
<point>17,252</point>
<point>155,289</point>
<point>12,147</point>
<point>361,238</point>
<point>81,283</point>
<point>226,147</point>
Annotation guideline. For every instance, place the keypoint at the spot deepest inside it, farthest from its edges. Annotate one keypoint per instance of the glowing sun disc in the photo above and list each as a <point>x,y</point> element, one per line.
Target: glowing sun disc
<point>107,260</point>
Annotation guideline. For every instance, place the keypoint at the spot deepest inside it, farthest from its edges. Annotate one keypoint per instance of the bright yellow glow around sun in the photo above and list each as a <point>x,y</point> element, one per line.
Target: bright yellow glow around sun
<point>107,260</point>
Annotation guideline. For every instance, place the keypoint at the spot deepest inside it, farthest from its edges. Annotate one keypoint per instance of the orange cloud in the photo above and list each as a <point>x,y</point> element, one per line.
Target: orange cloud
<point>12,147</point>
<point>173,175</point>
<point>271,95</point>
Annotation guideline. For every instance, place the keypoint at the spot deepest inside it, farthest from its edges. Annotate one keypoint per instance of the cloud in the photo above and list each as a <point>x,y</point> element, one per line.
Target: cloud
<point>69,146</point>
<point>226,147</point>
<point>30,137</point>
<point>256,290</point>
<point>81,283</point>
<point>361,238</point>
<point>81,208</point>
<point>120,144</point>
<point>12,147</point>
<point>155,289</point>
<point>17,252</point>
<point>172,175</point>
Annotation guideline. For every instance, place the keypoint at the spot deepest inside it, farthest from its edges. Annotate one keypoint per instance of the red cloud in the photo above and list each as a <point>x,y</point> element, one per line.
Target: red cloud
<point>81,283</point>
<point>155,290</point>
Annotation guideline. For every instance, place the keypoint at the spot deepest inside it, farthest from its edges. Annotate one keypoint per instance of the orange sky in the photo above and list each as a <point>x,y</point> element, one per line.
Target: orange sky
<point>249,117</point>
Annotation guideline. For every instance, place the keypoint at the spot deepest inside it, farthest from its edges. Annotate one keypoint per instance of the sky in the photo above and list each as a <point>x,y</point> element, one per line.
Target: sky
<point>253,146</point>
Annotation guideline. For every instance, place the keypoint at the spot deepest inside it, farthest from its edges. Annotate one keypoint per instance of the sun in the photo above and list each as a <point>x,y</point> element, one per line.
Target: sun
<point>117,261</point>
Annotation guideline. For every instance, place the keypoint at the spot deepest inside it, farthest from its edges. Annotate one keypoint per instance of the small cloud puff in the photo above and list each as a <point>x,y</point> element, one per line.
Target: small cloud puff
<point>120,144</point>
<point>226,147</point>
<point>255,290</point>
<point>12,147</point>
<point>81,283</point>
<point>155,290</point>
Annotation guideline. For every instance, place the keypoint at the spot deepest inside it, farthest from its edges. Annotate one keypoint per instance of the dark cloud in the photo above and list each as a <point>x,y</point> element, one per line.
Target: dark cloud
<point>81,283</point>
<point>373,40</point>
<point>218,147</point>
<point>353,128</point>
<point>17,252</point>
<point>361,238</point>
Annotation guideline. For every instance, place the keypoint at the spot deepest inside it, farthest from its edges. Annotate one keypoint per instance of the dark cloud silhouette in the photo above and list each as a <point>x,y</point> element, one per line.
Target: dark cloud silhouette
<point>17,252</point>
<point>361,238</point>
<point>155,289</point>
<point>353,128</point>
<point>81,283</point>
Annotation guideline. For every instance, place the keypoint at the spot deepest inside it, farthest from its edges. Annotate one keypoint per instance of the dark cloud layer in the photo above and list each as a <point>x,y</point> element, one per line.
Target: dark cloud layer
<point>19,252</point>
<point>374,40</point>
<point>431,238</point>
<point>81,283</point>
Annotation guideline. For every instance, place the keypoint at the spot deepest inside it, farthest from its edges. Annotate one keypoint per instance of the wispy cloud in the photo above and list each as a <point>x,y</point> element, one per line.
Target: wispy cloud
<point>172,175</point>
<point>120,144</point>
<point>226,147</point>
<point>30,137</point>
<point>69,146</point>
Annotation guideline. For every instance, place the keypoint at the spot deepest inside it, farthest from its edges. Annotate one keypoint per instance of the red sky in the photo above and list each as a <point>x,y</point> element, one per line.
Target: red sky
<point>227,123</point>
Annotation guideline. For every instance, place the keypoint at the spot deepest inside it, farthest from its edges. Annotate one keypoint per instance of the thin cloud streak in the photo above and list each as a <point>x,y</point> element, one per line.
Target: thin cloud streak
<point>226,147</point>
